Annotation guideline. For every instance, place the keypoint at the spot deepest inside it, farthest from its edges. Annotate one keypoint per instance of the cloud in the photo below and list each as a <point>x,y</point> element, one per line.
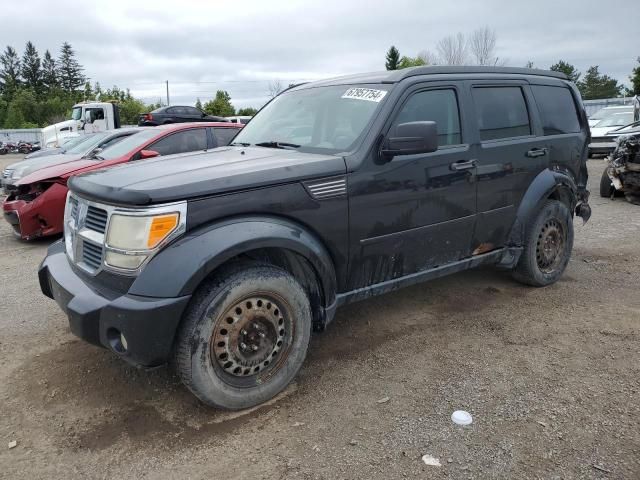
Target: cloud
<point>240,46</point>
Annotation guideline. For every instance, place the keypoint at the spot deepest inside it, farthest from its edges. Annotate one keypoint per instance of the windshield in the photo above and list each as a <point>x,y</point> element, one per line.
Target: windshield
<point>76,113</point>
<point>316,120</point>
<point>608,111</point>
<point>81,145</point>
<point>71,141</point>
<point>127,144</point>
<point>617,120</point>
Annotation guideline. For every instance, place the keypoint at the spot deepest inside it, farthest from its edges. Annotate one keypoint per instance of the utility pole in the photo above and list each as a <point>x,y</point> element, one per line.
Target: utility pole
<point>167,82</point>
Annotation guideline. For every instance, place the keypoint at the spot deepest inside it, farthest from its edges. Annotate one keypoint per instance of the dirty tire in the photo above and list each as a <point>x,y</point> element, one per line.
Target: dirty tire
<point>245,308</point>
<point>553,228</point>
<point>606,187</point>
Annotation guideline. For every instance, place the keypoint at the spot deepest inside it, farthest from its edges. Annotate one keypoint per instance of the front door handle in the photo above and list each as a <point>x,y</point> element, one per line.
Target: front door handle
<point>463,165</point>
<point>537,152</point>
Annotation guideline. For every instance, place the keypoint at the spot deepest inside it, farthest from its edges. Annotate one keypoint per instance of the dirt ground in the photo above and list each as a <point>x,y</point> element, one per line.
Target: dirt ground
<point>551,377</point>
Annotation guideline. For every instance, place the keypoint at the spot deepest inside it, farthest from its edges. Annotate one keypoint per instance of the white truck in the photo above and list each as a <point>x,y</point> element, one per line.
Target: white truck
<point>86,117</point>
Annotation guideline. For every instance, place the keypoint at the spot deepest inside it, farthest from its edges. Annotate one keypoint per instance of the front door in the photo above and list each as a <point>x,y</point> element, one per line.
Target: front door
<point>414,212</point>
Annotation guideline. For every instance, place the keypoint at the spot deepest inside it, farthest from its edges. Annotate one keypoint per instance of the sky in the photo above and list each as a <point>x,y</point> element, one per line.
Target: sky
<point>242,46</point>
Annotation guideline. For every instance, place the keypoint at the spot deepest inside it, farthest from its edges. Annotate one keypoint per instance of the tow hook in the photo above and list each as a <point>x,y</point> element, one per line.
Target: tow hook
<point>583,211</point>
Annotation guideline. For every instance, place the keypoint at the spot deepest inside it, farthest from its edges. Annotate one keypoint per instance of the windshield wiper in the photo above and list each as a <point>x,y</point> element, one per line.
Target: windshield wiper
<point>274,144</point>
<point>241,144</point>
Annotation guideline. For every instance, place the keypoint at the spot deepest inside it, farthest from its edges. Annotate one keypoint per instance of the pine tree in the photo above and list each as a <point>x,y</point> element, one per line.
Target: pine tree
<point>568,69</point>
<point>393,58</point>
<point>596,85</point>
<point>198,104</point>
<point>30,70</point>
<point>69,70</point>
<point>49,72</point>
<point>10,72</point>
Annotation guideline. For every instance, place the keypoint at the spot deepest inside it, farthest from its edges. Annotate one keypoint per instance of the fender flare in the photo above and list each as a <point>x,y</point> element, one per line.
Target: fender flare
<point>182,266</point>
<point>546,184</point>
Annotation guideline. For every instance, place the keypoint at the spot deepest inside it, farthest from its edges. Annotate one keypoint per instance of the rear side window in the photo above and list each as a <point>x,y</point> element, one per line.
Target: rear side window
<point>181,142</point>
<point>557,109</point>
<point>440,106</point>
<point>224,136</point>
<point>502,112</point>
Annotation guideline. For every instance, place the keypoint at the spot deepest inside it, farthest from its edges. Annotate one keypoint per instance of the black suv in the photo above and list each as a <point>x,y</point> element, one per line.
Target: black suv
<point>338,190</point>
<point>176,114</point>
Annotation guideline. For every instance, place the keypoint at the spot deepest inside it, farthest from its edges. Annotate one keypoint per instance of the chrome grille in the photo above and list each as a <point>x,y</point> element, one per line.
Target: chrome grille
<point>96,219</point>
<point>91,254</point>
<point>73,202</point>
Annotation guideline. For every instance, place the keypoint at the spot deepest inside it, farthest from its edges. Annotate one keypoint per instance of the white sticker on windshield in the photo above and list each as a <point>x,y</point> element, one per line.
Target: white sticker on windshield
<point>368,94</point>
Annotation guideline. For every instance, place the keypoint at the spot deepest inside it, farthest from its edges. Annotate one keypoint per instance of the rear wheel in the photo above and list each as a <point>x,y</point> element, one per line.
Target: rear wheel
<point>606,186</point>
<point>548,245</point>
<point>244,336</point>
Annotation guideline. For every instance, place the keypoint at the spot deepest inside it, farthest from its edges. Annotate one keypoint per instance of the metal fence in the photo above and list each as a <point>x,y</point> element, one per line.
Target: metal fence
<point>592,106</point>
<point>25,134</point>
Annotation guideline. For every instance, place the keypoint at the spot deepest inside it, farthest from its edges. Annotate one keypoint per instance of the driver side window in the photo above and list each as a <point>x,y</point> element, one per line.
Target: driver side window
<point>440,106</point>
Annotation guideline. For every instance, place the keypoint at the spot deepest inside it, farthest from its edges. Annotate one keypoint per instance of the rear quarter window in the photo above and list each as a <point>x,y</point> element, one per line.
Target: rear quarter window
<point>502,112</point>
<point>223,135</point>
<point>557,109</point>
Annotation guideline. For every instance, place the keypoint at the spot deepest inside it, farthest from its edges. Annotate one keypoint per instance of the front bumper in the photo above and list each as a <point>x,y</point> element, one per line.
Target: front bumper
<point>39,217</point>
<point>100,315</point>
<point>602,147</point>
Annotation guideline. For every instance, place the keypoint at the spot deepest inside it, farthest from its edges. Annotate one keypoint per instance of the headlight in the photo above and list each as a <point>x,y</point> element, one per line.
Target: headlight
<point>135,236</point>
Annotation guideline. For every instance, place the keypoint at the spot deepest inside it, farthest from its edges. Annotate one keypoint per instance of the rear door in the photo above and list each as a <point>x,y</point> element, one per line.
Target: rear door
<point>565,131</point>
<point>509,154</point>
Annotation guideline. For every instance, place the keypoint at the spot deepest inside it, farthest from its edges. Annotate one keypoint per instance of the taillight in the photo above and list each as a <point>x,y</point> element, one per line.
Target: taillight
<point>148,116</point>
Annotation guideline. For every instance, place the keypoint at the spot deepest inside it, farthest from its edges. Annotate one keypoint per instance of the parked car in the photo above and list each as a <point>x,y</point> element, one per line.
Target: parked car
<point>601,142</point>
<point>336,191</point>
<point>622,173</point>
<point>243,119</point>
<point>607,112</point>
<point>176,114</point>
<point>89,146</point>
<point>66,144</point>
<point>35,206</point>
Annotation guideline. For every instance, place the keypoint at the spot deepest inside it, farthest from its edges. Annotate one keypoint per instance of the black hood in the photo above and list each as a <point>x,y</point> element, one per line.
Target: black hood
<point>181,177</point>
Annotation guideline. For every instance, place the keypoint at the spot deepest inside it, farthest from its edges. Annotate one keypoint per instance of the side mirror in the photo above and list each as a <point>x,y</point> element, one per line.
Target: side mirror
<point>144,154</point>
<point>95,152</point>
<point>411,138</point>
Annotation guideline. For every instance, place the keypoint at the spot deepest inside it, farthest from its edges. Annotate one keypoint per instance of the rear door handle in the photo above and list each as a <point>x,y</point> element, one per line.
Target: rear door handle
<point>463,165</point>
<point>537,152</point>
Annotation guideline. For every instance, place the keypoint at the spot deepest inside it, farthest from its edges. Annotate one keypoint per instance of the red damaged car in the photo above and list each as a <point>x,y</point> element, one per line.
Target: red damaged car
<point>35,207</point>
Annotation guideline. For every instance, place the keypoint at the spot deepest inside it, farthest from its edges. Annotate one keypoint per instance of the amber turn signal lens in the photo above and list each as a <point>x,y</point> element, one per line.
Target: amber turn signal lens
<point>161,227</point>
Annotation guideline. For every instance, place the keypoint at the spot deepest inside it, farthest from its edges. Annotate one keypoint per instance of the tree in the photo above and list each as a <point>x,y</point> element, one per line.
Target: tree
<point>529,64</point>
<point>247,112</point>
<point>49,72</point>
<point>87,92</point>
<point>635,80</point>
<point>393,58</point>
<point>30,69</point>
<point>198,104</point>
<point>453,49</point>
<point>596,85</point>
<point>406,62</point>
<point>482,44</point>
<point>568,69</point>
<point>10,72</point>
<point>69,70</point>
<point>275,87</point>
<point>220,106</point>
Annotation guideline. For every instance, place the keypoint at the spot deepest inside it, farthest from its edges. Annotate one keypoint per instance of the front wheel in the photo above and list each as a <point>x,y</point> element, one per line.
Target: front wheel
<point>606,186</point>
<point>244,336</point>
<point>547,247</point>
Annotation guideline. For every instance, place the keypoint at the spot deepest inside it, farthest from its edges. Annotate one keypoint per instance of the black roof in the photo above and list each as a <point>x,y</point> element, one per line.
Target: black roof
<point>394,76</point>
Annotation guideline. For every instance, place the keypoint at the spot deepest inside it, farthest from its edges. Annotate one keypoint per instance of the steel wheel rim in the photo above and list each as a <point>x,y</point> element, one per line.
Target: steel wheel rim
<point>550,246</point>
<point>251,339</point>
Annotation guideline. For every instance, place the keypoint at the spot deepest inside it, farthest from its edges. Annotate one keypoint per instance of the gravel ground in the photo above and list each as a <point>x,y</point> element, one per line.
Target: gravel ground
<point>551,376</point>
